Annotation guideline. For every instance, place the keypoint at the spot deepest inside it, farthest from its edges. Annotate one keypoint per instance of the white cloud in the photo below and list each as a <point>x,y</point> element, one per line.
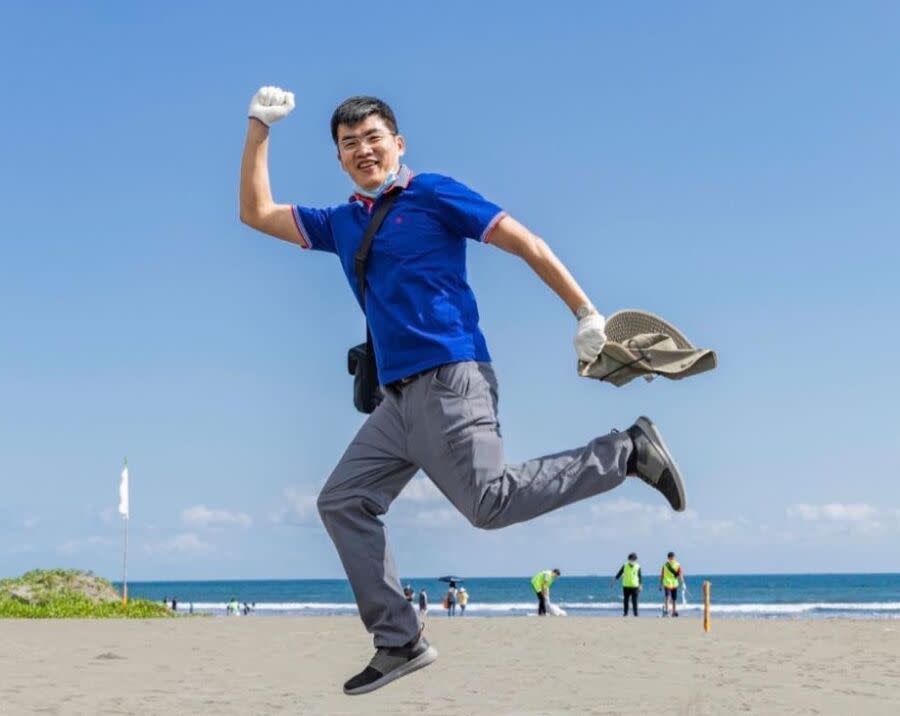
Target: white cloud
<point>421,489</point>
<point>834,512</point>
<point>629,510</point>
<point>299,506</point>
<point>75,546</point>
<point>30,522</point>
<point>21,548</point>
<point>718,528</point>
<point>441,517</point>
<point>835,516</point>
<point>612,517</point>
<point>183,543</point>
<point>203,516</point>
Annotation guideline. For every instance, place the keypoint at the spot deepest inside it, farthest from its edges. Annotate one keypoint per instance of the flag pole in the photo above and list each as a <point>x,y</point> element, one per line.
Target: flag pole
<point>125,556</point>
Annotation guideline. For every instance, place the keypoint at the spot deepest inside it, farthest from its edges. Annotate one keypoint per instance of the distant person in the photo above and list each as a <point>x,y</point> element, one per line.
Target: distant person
<point>669,578</point>
<point>462,598</point>
<point>233,608</point>
<point>408,592</point>
<point>450,599</point>
<point>174,605</point>
<point>630,573</point>
<point>191,608</point>
<point>423,603</point>
<point>541,583</point>
<point>165,601</point>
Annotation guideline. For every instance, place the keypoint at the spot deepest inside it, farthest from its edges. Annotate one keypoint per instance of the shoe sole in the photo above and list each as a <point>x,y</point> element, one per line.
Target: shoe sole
<point>427,657</point>
<point>649,427</point>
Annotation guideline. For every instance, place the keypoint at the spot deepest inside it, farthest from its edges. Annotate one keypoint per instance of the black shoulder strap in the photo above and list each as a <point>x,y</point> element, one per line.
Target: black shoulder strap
<point>362,252</point>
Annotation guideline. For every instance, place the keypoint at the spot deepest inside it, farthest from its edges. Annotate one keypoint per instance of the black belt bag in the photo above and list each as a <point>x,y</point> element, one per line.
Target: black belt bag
<point>361,365</point>
<point>361,359</point>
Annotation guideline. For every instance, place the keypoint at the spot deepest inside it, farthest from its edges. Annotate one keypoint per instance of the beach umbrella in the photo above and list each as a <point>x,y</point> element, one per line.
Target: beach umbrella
<point>450,579</point>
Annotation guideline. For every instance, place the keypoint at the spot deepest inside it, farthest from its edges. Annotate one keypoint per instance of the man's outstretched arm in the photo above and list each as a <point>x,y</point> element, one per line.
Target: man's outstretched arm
<point>511,236</point>
<point>257,208</point>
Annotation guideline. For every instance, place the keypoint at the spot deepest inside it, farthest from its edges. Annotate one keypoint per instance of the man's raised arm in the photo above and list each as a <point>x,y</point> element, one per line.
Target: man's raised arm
<point>258,209</point>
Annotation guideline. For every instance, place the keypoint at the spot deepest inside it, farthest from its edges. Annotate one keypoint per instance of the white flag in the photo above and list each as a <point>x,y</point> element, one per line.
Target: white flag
<point>123,493</point>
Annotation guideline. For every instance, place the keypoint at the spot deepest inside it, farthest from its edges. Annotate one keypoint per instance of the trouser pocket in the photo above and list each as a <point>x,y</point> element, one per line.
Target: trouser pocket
<point>463,401</point>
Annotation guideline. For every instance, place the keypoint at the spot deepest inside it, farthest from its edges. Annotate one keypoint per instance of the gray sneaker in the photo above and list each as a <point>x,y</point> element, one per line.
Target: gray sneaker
<point>653,463</point>
<point>390,663</point>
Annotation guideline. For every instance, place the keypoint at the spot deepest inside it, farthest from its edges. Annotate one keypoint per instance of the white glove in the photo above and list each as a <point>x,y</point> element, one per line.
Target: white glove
<point>591,337</point>
<point>270,104</point>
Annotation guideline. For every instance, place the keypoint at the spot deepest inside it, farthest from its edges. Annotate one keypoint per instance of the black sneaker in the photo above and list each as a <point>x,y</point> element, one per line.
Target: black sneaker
<point>390,663</point>
<point>653,463</point>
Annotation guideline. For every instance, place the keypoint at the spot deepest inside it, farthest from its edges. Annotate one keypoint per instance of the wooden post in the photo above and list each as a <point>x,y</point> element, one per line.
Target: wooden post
<point>706,589</point>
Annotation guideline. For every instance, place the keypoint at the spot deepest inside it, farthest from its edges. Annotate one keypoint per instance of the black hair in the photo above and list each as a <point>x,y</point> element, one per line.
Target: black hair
<point>556,570</point>
<point>354,110</point>
<point>670,555</point>
<point>632,556</point>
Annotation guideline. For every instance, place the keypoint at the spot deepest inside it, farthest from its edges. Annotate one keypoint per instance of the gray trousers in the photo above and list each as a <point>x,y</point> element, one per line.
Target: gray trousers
<point>444,423</point>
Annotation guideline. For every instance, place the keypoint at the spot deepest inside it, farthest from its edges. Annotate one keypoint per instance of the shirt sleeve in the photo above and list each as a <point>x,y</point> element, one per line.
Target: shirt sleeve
<point>464,211</point>
<point>314,227</point>
<point>621,570</point>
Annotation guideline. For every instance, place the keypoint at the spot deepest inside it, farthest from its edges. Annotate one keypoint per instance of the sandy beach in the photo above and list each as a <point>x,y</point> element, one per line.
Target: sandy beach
<point>493,666</point>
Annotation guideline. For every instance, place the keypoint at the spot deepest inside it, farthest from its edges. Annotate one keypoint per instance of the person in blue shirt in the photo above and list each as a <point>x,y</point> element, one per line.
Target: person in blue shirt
<point>439,412</point>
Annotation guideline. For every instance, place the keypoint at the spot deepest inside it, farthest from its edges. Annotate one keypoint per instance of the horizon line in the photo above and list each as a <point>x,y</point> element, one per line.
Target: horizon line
<point>518,576</point>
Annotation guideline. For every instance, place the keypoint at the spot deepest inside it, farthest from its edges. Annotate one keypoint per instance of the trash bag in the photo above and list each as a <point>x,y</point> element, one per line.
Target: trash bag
<point>555,611</point>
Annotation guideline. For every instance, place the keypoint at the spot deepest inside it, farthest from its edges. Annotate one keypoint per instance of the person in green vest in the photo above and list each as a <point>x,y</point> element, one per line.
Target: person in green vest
<point>670,577</point>
<point>630,573</point>
<point>541,583</point>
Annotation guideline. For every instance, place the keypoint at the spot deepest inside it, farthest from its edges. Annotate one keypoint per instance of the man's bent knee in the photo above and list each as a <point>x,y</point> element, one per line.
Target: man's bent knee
<point>484,518</point>
<point>340,502</point>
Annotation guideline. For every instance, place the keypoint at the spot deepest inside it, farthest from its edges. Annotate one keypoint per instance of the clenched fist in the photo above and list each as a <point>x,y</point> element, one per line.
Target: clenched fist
<point>270,104</point>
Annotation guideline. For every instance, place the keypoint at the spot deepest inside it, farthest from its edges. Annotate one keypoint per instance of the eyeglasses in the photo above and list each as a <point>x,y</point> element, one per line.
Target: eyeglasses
<point>370,139</point>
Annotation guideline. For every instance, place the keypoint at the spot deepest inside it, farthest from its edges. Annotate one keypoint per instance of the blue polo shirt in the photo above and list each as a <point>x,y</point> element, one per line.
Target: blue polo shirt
<point>420,308</point>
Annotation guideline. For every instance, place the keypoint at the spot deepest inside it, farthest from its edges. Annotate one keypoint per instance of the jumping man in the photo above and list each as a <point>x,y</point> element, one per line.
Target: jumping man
<point>439,412</point>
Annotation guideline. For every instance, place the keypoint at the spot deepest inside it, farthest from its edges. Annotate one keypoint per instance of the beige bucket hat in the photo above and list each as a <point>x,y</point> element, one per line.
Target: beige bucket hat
<point>641,344</point>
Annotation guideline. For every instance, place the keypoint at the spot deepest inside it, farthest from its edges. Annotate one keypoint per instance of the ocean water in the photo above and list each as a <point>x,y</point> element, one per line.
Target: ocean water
<point>785,596</point>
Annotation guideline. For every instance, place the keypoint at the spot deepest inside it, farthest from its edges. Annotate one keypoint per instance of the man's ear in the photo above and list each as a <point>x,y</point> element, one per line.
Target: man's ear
<point>401,144</point>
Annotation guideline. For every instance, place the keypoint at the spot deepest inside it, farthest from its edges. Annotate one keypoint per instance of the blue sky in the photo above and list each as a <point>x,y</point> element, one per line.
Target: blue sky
<point>731,167</point>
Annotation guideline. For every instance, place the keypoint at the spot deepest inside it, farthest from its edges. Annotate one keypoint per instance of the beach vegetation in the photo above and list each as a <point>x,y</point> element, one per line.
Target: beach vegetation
<point>69,594</point>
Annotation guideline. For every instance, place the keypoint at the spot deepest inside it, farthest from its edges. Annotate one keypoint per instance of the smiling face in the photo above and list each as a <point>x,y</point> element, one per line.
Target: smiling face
<point>368,151</point>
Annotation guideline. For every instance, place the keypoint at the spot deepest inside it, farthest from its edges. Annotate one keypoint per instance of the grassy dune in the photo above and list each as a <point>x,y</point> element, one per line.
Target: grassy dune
<point>69,594</point>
